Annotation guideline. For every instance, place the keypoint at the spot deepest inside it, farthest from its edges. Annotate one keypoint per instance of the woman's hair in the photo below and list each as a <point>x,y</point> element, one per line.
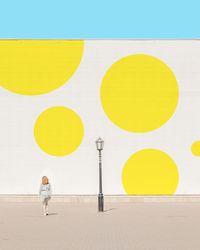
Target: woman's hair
<point>45,180</point>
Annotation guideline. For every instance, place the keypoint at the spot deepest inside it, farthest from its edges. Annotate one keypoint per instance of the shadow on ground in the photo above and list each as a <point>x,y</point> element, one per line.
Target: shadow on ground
<point>52,214</point>
<point>110,209</point>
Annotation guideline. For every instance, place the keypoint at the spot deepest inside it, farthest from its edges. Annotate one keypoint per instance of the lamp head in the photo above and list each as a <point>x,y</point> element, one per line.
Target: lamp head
<point>99,144</point>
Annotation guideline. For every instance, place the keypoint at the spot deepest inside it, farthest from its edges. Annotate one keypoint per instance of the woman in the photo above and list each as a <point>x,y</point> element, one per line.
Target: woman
<point>45,194</point>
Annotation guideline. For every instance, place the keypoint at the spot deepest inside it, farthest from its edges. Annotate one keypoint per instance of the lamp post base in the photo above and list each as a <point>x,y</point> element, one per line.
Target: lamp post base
<point>100,202</point>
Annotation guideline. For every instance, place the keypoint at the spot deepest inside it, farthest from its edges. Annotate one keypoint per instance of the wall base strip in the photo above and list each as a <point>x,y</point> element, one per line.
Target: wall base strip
<point>107,198</point>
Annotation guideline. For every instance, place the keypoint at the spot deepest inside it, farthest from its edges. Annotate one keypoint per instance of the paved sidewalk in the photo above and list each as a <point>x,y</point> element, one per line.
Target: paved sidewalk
<point>126,226</point>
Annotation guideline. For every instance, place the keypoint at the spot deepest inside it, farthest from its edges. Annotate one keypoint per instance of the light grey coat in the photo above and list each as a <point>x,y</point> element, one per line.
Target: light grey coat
<point>45,192</point>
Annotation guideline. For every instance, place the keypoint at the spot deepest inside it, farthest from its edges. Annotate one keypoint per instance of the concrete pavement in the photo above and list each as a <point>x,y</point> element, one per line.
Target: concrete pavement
<point>78,226</point>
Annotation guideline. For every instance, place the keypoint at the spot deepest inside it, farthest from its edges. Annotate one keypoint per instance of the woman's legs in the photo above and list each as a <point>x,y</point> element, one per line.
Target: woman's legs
<point>45,207</point>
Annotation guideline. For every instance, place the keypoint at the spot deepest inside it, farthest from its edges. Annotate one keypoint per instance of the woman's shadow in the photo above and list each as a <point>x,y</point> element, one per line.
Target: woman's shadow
<point>52,214</point>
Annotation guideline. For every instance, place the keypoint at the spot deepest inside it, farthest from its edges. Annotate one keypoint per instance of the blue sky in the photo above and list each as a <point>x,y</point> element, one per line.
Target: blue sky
<point>87,19</point>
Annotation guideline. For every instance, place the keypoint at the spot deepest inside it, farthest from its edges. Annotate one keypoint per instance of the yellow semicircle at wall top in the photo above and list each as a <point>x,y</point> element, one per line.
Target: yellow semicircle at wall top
<point>139,93</point>
<point>35,67</point>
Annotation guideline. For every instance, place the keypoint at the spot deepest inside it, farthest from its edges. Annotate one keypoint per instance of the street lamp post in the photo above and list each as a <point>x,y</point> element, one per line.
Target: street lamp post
<point>100,144</point>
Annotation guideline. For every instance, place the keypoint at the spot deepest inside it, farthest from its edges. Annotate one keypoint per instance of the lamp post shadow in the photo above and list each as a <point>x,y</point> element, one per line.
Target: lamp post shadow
<point>110,209</point>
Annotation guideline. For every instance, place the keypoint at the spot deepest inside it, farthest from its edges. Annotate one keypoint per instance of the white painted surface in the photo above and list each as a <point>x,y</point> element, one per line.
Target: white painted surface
<point>22,162</point>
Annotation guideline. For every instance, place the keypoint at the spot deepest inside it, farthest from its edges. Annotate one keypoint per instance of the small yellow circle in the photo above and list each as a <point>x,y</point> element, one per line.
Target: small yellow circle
<point>35,67</point>
<point>150,172</point>
<point>58,131</point>
<point>195,148</point>
<point>139,93</point>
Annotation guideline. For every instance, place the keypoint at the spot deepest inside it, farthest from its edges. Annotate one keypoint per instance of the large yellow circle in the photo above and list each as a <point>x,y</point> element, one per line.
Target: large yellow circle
<point>139,93</point>
<point>35,67</point>
<point>195,148</point>
<point>150,172</point>
<point>58,131</point>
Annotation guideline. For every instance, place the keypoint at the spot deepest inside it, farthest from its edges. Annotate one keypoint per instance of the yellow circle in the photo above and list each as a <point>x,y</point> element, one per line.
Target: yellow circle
<point>195,148</point>
<point>58,131</point>
<point>150,172</point>
<point>139,93</point>
<point>35,67</point>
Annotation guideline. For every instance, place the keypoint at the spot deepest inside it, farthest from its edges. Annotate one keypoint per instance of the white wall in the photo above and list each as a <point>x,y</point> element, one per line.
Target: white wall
<point>22,162</point>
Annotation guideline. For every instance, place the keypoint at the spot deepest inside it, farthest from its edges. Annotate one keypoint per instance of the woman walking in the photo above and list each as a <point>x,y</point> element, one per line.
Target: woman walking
<point>45,194</point>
